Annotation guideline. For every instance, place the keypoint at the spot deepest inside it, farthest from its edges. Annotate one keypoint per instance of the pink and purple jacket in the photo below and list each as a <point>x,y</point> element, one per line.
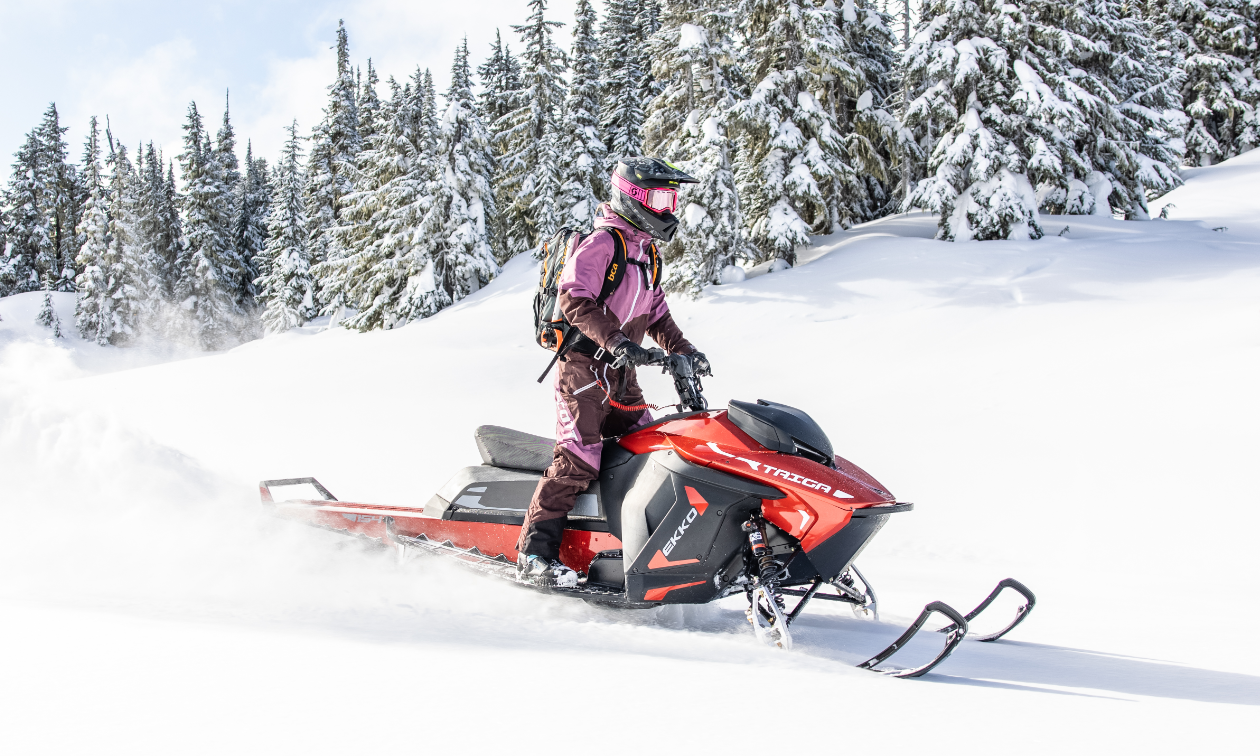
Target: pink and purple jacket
<point>633,310</point>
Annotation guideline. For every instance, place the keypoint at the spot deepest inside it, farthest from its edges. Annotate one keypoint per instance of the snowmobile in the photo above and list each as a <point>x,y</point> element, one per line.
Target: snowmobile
<point>697,506</point>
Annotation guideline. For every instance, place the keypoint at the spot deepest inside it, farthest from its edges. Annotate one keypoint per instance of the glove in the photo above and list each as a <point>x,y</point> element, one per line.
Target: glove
<point>630,353</point>
<point>700,364</point>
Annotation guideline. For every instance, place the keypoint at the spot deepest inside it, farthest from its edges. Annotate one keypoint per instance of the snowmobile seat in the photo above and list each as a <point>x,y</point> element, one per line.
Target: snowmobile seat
<point>504,447</point>
<point>485,493</point>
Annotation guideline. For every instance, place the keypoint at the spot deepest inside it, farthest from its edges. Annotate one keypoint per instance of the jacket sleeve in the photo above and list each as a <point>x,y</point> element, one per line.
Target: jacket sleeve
<point>667,333</point>
<point>580,285</point>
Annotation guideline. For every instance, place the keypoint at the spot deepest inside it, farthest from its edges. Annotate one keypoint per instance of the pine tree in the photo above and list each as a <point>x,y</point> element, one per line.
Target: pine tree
<point>47,316</point>
<point>93,309</point>
<point>1100,60</point>
<point>330,165</point>
<point>1215,43</point>
<point>694,59</point>
<point>582,153</point>
<point>127,283</point>
<point>529,170</point>
<point>622,64</point>
<point>977,104</point>
<point>860,95</point>
<point>369,104</point>
<point>285,287</point>
<point>500,78</point>
<point>396,171</point>
<point>156,238</point>
<point>791,153</point>
<point>208,287</point>
<point>249,224</point>
<point>459,259</point>
<point>45,199</point>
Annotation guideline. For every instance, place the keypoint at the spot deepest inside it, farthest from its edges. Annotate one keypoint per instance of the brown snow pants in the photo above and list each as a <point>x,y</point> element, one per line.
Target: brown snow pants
<point>584,418</point>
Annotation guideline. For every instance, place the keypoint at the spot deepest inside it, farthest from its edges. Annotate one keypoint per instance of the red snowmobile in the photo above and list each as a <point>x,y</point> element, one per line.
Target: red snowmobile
<point>695,507</point>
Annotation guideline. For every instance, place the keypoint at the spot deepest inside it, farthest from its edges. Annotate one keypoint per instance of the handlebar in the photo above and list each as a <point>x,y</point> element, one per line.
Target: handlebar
<point>686,382</point>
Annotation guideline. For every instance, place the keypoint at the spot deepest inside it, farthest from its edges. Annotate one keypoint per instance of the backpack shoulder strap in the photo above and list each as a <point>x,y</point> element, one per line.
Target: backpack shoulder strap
<point>616,268</point>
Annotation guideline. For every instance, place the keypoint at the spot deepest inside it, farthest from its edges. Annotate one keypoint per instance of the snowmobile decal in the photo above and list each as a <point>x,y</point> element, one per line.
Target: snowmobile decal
<point>656,594</point>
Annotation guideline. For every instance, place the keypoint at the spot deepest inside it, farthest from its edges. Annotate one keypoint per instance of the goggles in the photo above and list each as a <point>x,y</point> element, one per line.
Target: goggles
<point>656,200</point>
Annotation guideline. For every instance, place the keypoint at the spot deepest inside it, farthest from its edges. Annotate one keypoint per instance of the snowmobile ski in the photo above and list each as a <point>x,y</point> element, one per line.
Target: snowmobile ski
<point>1021,613</point>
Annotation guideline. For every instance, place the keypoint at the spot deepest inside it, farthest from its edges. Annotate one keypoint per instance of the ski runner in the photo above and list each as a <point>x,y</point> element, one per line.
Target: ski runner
<point>599,369</point>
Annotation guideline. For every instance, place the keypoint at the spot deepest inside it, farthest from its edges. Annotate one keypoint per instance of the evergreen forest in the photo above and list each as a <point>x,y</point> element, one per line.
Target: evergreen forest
<point>798,118</point>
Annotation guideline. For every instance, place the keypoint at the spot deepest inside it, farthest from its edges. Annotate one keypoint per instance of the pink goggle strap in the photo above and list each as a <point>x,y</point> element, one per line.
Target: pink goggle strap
<point>635,192</point>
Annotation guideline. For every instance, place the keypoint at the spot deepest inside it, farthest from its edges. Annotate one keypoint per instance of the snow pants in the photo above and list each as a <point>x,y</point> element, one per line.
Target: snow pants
<point>584,418</point>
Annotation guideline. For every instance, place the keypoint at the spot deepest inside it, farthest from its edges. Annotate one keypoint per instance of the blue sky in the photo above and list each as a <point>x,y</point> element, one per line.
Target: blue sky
<point>140,61</point>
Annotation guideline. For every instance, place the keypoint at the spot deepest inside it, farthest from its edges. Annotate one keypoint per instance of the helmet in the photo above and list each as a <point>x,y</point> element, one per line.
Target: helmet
<point>645,192</point>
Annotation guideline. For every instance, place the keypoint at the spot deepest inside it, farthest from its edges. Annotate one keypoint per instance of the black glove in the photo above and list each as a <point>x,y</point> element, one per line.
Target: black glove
<point>630,353</point>
<point>700,364</point>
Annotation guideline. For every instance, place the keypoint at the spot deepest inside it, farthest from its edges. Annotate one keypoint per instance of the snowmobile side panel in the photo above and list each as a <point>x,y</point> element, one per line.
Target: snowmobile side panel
<point>695,539</point>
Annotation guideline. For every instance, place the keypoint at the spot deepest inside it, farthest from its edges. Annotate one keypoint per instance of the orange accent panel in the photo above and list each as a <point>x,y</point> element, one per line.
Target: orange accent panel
<point>660,561</point>
<point>696,500</point>
<point>657,594</point>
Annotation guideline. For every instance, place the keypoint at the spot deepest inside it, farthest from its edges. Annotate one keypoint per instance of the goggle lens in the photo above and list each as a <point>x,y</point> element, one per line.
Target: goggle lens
<point>662,200</point>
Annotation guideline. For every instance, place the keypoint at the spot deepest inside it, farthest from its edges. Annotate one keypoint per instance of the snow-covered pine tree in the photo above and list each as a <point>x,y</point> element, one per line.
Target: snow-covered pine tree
<point>791,153</point>
<point>693,59</point>
<point>128,283</point>
<point>47,316</point>
<point>249,224</point>
<point>875,144</point>
<point>1215,43</point>
<point>459,258</point>
<point>500,78</point>
<point>1100,59</point>
<point>94,304</point>
<point>330,165</point>
<point>157,242</point>
<point>529,170</point>
<point>381,217</point>
<point>501,86</point>
<point>207,289</point>
<point>285,287</point>
<point>44,199</point>
<point>622,65</point>
<point>369,104</point>
<point>583,155</point>
<point>648,20</point>
<point>972,99</point>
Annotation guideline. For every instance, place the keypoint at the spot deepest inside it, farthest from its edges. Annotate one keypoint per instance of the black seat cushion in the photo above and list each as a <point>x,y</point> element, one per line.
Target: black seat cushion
<point>504,447</point>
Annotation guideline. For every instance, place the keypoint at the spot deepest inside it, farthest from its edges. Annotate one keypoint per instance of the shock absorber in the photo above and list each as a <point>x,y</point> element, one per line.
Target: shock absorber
<point>767,568</point>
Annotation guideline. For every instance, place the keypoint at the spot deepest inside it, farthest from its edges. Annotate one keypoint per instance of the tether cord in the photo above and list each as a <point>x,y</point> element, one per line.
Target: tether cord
<point>619,405</point>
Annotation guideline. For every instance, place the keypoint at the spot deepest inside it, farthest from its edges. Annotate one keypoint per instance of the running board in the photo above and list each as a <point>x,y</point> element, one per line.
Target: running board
<point>957,632</point>
<point>1020,614</point>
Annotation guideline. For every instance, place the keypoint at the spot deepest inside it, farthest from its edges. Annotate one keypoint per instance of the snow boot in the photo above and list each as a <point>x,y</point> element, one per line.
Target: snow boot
<point>536,570</point>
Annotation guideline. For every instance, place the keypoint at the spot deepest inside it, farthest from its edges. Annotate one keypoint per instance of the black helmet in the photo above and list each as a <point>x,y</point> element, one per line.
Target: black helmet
<point>645,192</point>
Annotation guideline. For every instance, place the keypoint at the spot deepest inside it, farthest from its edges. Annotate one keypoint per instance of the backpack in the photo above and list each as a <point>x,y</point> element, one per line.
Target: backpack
<point>551,331</point>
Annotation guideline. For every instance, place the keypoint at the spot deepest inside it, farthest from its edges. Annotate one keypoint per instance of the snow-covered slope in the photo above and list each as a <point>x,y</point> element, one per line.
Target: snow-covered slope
<point>1079,412</point>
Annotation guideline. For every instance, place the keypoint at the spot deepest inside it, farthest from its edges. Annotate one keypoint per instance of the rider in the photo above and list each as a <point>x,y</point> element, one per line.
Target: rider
<point>599,369</point>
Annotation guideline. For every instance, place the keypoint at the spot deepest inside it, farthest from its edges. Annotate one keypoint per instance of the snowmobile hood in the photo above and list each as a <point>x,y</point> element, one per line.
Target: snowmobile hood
<point>781,428</point>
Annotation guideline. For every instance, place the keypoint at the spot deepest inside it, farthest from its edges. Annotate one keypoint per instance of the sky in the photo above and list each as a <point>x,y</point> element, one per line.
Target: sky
<point>140,62</point>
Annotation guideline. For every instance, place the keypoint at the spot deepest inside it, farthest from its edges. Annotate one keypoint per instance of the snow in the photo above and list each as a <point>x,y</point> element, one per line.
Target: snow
<point>1078,412</point>
<point>690,35</point>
